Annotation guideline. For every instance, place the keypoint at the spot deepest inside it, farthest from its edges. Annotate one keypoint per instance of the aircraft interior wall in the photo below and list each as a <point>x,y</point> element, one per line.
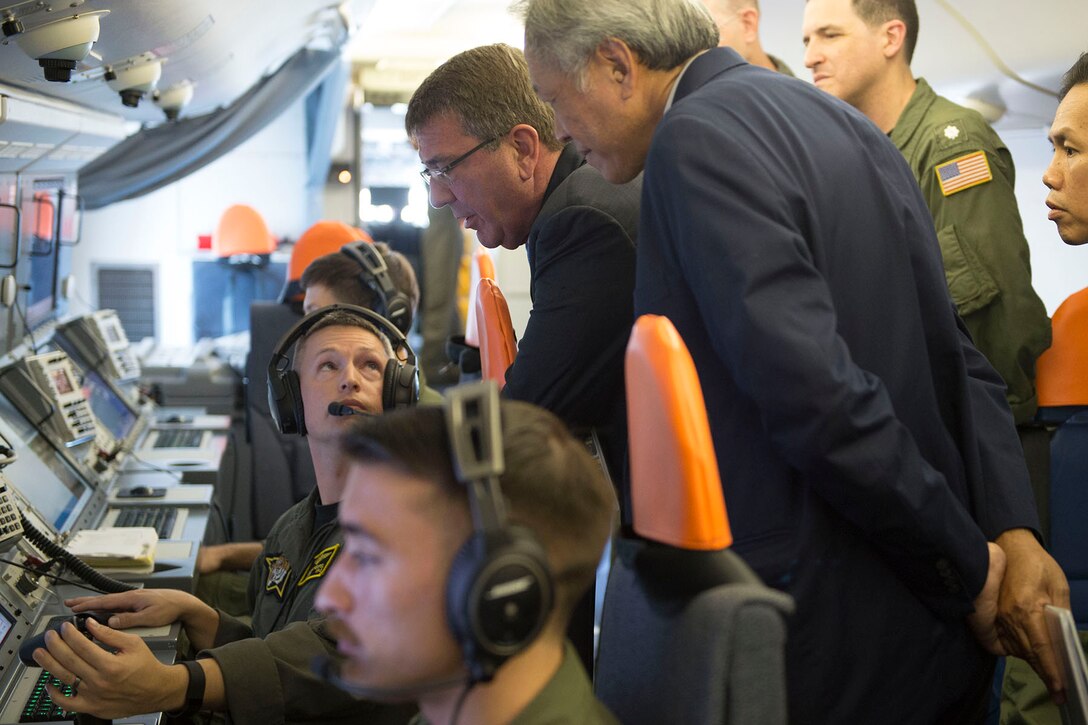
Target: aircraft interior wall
<point>267,172</point>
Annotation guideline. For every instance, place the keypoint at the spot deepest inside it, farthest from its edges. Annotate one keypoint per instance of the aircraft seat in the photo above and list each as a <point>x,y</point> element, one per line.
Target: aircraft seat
<point>483,267</point>
<point>324,237</point>
<point>688,632</point>
<point>242,231</point>
<point>498,344</point>
<point>1061,382</point>
<point>282,470</point>
<point>1061,379</point>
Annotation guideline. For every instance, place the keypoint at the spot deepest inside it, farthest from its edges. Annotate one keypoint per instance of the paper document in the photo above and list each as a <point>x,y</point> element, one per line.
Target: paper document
<point>121,547</point>
<point>1063,634</point>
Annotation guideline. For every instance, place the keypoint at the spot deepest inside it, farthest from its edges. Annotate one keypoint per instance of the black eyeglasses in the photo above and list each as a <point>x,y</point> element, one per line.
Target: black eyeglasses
<point>443,174</point>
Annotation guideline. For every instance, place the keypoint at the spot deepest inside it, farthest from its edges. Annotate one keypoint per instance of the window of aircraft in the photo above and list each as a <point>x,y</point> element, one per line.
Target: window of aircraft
<point>9,234</point>
<point>392,192</point>
<point>41,212</point>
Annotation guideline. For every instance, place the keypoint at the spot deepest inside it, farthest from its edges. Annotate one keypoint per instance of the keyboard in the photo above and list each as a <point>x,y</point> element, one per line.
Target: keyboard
<point>40,707</point>
<point>179,438</point>
<point>160,518</point>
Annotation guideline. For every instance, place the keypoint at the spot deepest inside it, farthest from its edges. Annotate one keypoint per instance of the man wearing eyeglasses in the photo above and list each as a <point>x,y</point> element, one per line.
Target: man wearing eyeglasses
<point>490,153</point>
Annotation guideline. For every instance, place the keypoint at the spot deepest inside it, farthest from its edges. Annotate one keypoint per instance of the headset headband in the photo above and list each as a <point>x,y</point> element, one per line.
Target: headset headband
<point>281,360</point>
<point>375,274</point>
<point>475,429</point>
<point>500,591</point>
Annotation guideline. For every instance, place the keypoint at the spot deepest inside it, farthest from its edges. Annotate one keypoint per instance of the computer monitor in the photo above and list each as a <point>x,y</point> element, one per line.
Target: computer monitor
<point>47,483</point>
<point>110,409</point>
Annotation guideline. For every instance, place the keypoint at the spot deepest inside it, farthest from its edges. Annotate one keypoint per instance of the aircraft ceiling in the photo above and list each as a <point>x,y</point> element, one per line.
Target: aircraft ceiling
<point>224,46</point>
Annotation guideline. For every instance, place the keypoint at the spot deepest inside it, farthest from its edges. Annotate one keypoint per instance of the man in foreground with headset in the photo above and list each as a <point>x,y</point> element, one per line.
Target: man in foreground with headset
<point>342,365</point>
<point>437,598</point>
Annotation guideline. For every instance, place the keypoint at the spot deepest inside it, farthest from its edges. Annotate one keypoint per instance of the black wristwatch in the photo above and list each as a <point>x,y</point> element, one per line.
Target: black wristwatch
<point>194,693</point>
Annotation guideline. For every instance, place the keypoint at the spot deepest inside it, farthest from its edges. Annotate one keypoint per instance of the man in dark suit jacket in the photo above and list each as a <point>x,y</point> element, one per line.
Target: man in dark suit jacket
<point>491,155</point>
<point>785,238</point>
<point>518,185</point>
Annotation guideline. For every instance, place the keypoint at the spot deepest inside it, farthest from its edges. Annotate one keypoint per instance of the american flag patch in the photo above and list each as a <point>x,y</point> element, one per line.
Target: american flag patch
<point>963,173</point>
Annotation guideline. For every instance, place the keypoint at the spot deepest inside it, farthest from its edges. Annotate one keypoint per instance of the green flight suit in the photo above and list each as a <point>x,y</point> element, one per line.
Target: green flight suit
<point>986,258</point>
<point>266,665</point>
<point>781,67</point>
<point>567,698</point>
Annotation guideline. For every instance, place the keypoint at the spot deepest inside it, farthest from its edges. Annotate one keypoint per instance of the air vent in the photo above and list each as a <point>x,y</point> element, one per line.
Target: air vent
<point>129,289</point>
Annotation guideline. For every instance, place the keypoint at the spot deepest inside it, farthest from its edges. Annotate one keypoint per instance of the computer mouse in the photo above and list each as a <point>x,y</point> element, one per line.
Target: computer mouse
<point>26,651</point>
<point>141,491</point>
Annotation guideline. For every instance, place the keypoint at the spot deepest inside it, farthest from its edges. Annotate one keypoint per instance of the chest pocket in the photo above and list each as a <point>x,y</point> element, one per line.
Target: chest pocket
<point>971,286</point>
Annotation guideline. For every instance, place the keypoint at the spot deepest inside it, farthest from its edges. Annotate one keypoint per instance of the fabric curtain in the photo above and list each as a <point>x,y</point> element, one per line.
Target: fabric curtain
<point>156,157</point>
<point>324,108</point>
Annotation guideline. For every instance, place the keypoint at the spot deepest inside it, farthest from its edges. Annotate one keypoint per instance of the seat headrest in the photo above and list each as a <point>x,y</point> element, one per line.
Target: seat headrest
<point>242,230</point>
<point>483,267</point>
<point>498,343</point>
<point>676,492</point>
<point>324,237</point>
<point>1060,377</point>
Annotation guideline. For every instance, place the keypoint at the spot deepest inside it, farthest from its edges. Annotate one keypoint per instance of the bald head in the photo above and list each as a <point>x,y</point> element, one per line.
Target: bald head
<point>738,28</point>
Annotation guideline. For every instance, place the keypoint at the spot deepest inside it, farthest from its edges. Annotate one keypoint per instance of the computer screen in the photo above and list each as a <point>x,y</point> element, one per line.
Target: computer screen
<point>109,408</point>
<point>47,483</point>
<point>110,327</point>
<point>6,623</point>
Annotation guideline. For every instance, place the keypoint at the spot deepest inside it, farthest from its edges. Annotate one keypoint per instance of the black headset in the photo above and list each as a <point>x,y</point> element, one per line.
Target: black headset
<point>500,589</point>
<point>400,383</point>
<point>374,274</point>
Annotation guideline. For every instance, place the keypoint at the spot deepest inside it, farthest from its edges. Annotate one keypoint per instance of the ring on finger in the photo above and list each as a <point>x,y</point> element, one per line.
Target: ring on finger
<point>75,685</point>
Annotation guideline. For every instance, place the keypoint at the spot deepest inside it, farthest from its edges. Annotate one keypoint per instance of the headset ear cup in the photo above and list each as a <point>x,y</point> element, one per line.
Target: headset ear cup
<point>400,385</point>
<point>462,575</point>
<point>399,311</point>
<point>498,597</point>
<point>294,391</point>
<point>284,400</point>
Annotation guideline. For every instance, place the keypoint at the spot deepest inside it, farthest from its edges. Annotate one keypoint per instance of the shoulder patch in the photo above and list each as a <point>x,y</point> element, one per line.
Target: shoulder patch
<point>279,569</point>
<point>963,173</point>
<point>319,565</point>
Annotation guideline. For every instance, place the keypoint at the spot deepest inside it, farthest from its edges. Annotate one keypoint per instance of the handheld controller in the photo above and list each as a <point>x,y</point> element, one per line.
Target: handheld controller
<point>26,651</point>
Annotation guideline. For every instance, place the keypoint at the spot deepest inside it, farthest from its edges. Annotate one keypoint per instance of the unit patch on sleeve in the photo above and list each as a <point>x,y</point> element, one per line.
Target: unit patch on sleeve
<point>963,173</point>
<point>279,569</point>
<point>320,564</point>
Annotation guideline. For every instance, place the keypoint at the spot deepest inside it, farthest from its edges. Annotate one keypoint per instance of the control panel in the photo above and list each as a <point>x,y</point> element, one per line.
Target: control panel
<point>100,341</point>
<point>46,390</point>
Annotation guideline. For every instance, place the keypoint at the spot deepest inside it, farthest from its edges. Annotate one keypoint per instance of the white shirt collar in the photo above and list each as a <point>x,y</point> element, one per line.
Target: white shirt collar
<point>676,82</point>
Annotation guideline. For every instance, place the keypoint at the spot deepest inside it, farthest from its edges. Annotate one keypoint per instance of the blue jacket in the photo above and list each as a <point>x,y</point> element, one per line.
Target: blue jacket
<point>786,238</point>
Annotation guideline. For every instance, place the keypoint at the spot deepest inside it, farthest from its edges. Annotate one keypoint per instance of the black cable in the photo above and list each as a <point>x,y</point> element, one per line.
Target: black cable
<point>77,566</point>
<point>44,571</point>
<point>26,326</point>
<point>151,466</point>
<point>990,52</point>
<point>222,518</point>
<point>235,447</point>
<point>461,701</point>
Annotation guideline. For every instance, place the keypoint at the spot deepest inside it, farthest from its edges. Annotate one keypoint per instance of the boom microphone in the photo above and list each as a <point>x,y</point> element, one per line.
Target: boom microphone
<point>340,410</point>
<point>328,669</point>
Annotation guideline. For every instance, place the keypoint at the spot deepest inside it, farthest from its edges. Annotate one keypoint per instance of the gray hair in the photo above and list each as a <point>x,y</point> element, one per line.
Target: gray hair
<point>663,33</point>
